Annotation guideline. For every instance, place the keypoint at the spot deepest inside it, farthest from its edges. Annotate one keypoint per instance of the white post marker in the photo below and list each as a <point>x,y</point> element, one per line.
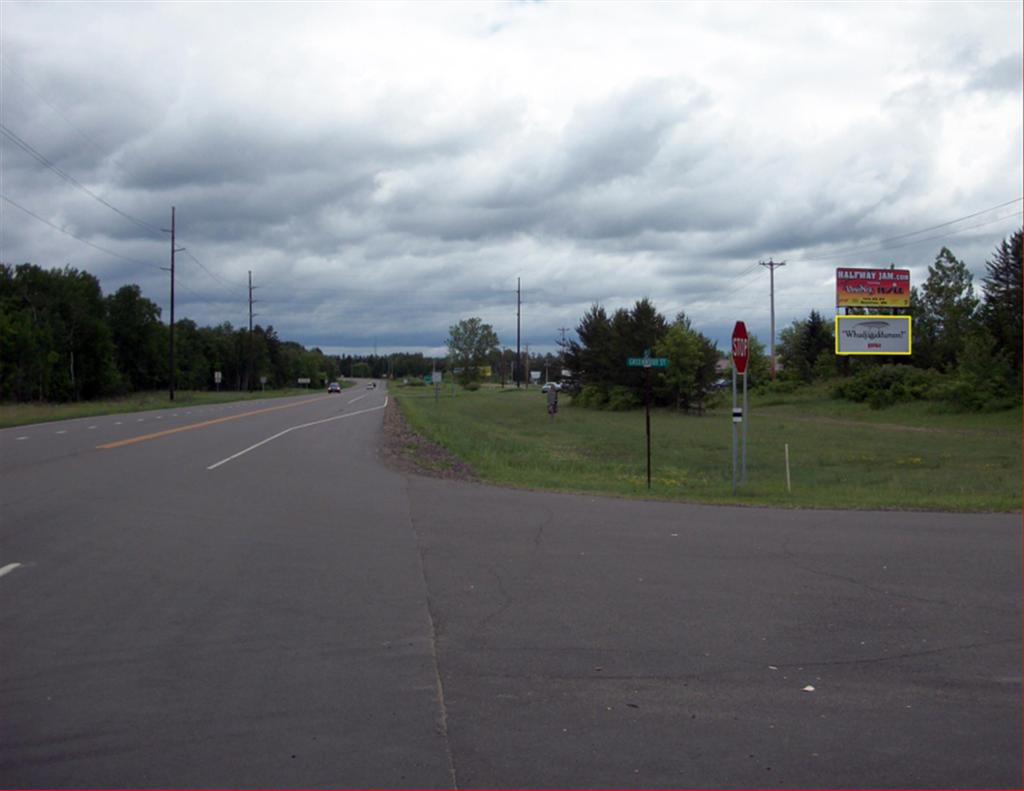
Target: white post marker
<point>789,488</point>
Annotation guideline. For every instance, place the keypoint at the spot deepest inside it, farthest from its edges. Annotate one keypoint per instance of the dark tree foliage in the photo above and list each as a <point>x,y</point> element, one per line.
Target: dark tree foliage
<point>60,340</point>
<point>1002,306</point>
<point>597,360</point>
<point>56,340</point>
<point>806,348</point>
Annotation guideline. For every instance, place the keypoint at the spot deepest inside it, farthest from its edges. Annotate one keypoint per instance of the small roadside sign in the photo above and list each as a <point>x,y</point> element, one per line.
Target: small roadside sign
<point>740,347</point>
<point>740,356</point>
<point>647,361</point>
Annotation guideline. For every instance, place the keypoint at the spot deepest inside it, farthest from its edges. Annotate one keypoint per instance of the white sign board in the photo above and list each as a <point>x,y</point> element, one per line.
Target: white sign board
<point>872,334</point>
<point>435,377</point>
<point>304,380</point>
<point>216,377</point>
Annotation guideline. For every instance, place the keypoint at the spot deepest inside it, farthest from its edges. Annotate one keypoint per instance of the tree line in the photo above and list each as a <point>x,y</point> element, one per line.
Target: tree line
<point>966,348</point>
<point>61,339</point>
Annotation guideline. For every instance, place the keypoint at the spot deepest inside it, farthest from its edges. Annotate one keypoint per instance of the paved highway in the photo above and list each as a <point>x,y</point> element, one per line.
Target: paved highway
<point>244,596</point>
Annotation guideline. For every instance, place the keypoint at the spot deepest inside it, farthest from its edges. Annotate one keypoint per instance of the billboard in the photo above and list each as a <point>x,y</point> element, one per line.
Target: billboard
<point>872,334</point>
<point>872,288</point>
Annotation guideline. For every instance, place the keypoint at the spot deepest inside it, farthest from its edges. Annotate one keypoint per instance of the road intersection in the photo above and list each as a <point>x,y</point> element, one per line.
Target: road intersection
<point>247,597</point>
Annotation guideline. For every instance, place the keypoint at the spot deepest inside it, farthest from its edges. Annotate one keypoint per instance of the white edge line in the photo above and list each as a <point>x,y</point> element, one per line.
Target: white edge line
<point>293,428</point>
<point>9,568</point>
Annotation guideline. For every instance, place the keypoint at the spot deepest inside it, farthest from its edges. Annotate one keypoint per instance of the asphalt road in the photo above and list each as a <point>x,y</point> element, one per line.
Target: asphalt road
<point>175,614</point>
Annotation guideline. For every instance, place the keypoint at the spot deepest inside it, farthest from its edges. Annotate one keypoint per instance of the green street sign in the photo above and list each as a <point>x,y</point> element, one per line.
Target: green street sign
<point>647,362</point>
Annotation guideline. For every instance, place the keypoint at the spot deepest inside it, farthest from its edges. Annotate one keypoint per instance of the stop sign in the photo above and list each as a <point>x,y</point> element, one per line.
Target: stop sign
<point>740,347</point>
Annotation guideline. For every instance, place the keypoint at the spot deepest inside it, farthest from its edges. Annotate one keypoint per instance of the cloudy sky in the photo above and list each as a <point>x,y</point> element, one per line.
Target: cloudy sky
<point>386,169</point>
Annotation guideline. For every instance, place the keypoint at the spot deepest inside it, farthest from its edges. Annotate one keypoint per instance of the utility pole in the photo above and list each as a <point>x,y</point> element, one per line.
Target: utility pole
<point>174,250</point>
<point>561,354</point>
<point>252,347</point>
<point>771,269</point>
<point>519,359</point>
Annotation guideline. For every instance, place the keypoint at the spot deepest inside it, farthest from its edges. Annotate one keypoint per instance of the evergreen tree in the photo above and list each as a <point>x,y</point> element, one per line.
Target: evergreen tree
<point>1002,308</point>
<point>948,309</point>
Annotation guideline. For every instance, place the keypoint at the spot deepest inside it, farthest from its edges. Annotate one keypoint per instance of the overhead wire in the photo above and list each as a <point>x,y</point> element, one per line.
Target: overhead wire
<point>75,236</point>
<point>883,244</point>
<point>39,94</point>
<point>28,149</point>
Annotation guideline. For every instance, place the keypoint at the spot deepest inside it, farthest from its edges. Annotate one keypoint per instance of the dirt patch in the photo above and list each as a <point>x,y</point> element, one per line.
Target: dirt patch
<point>406,451</point>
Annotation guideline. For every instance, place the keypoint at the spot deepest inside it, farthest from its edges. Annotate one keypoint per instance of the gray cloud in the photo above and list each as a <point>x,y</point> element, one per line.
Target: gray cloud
<point>384,172</point>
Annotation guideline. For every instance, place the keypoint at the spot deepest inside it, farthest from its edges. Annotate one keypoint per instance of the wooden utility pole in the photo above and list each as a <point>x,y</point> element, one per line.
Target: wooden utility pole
<point>252,348</point>
<point>771,269</point>
<point>171,377</point>
<point>519,359</point>
<point>174,249</point>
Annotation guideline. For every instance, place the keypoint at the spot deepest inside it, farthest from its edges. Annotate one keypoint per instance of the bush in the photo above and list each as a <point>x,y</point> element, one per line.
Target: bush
<point>621,399</point>
<point>884,385</point>
<point>591,396</point>
<point>471,386</point>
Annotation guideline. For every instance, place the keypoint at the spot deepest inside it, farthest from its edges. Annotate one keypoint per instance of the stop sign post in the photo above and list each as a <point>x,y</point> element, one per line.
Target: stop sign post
<point>740,356</point>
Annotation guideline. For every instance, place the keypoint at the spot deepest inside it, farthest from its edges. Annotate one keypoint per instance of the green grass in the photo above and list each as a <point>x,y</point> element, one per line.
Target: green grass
<point>842,454</point>
<point>26,413</point>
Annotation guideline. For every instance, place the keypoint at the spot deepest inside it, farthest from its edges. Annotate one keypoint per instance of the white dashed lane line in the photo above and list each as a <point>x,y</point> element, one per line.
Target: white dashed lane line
<point>19,439</point>
<point>9,568</point>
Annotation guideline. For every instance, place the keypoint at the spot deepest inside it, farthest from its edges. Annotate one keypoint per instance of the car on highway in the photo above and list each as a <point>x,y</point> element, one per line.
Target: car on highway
<point>549,385</point>
<point>334,387</point>
<point>371,386</point>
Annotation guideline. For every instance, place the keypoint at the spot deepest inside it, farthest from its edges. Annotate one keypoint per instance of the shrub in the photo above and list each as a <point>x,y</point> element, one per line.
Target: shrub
<point>622,398</point>
<point>591,396</point>
<point>471,386</point>
<point>884,385</point>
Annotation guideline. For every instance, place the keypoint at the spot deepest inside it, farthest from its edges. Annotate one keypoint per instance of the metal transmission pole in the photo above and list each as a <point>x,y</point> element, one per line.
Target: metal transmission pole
<point>174,250</point>
<point>771,269</point>
<point>519,358</point>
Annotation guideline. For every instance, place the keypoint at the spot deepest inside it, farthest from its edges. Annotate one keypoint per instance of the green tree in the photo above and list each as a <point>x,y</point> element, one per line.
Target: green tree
<point>590,357</point>
<point>947,309</point>
<point>681,345</point>
<point>1002,307</point>
<point>138,336</point>
<point>470,344</point>
<point>806,348</point>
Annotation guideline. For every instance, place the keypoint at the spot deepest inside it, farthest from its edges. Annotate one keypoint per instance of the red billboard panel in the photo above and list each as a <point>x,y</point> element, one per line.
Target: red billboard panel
<point>872,288</point>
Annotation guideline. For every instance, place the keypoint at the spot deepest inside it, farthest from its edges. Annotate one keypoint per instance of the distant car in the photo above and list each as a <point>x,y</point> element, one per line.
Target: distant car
<point>371,386</point>
<point>549,385</point>
<point>334,387</point>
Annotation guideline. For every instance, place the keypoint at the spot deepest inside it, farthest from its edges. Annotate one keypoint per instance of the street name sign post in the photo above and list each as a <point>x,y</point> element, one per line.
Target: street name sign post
<point>740,356</point>
<point>647,363</point>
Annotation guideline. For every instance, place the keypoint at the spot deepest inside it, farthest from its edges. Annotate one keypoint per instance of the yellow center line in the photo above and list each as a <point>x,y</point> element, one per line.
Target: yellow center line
<point>132,440</point>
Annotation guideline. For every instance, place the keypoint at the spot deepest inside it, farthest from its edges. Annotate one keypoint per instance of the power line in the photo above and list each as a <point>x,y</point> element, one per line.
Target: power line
<point>213,275</point>
<point>75,236</point>
<point>49,104</point>
<point>883,244</point>
<point>32,152</point>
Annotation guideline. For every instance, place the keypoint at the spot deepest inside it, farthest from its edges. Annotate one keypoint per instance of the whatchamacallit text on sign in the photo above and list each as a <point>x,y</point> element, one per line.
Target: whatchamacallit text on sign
<point>873,335</point>
<point>872,288</point>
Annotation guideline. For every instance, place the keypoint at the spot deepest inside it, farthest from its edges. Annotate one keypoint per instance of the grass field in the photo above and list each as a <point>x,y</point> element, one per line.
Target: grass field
<point>842,454</point>
<point>27,413</point>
